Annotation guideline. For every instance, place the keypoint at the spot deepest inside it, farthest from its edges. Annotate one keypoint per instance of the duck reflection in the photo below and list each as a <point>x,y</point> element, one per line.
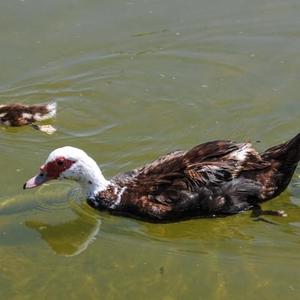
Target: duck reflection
<point>71,237</point>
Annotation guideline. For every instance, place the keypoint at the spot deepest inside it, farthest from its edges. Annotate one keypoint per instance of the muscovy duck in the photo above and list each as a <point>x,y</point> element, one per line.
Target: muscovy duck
<point>217,178</point>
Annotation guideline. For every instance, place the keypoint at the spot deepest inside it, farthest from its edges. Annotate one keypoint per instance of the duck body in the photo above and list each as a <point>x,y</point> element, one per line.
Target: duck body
<point>212,179</point>
<point>18,114</point>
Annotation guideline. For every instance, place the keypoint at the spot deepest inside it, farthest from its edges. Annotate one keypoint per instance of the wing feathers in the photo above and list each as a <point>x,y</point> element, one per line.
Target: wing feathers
<point>210,164</point>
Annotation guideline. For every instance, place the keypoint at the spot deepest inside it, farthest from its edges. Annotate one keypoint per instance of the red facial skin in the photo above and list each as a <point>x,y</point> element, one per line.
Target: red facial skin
<point>54,168</point>
<point>51,170</point>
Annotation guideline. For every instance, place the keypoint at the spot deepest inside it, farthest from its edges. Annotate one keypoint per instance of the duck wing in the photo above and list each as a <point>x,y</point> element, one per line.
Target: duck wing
<point>205,164</point>
<point>158,169</point>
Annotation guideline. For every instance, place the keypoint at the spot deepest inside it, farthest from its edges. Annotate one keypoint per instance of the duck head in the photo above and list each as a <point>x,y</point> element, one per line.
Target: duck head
<point>74,164</point>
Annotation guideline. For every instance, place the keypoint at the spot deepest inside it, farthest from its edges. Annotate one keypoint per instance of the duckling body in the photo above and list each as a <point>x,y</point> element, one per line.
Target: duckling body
<point>212,179</point>
<point>20,114</point>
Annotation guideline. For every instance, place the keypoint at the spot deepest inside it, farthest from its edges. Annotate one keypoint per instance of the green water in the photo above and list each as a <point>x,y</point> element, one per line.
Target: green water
<point>133,80</point>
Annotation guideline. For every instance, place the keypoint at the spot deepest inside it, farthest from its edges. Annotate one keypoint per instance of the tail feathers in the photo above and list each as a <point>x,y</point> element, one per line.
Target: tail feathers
<point>51,112</point>
<point>288,152</point>
<point>52,106</point>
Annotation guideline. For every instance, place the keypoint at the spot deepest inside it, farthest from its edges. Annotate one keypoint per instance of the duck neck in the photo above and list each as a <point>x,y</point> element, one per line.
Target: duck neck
<point>95,184</point>
<point>92,180</point>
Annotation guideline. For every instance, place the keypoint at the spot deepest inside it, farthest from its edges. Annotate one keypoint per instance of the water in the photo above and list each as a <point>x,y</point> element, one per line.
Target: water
<point>133,80</point>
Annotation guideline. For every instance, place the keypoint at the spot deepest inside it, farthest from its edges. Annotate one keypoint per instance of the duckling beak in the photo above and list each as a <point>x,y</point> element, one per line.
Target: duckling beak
<point>35,181</point>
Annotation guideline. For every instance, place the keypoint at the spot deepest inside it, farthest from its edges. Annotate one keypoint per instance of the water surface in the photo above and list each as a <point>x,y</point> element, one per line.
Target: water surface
<point>133,80</point>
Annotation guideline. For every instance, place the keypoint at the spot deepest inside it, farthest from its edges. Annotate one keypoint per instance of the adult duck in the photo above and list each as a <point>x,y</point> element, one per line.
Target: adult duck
<point>212,179</point>
<point>18,114</point>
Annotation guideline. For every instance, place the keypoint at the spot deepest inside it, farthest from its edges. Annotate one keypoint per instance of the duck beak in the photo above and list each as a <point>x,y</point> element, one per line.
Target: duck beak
<point>35,181</point>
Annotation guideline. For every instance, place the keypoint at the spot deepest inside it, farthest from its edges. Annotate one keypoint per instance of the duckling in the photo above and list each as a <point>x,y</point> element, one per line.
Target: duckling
<point>18,114</point>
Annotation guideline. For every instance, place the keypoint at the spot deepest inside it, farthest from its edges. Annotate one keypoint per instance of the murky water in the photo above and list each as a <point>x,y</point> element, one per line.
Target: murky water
<point>133,80</point>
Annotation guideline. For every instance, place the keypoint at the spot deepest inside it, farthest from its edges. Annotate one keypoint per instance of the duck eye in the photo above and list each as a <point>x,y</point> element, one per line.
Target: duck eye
<point>60,162</point>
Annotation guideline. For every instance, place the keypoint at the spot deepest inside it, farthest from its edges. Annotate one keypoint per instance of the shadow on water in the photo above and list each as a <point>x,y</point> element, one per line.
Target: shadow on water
<point>69,238</point>
<point>65,224</point>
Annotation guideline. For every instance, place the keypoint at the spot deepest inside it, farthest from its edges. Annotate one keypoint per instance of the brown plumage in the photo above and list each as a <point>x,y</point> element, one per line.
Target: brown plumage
<point>212,179</point>
<point>20,114</point>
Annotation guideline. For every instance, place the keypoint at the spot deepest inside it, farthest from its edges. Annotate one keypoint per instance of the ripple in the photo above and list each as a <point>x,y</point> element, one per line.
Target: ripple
<point>50,200</point>
<point>44,199</point>
<point>91,132</point>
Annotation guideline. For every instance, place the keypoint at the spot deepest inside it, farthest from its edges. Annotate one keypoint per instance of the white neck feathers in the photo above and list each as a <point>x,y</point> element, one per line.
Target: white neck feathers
<point>91,178</point>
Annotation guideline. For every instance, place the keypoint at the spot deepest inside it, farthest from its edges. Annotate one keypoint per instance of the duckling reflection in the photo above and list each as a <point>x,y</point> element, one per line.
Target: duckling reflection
<point>70,238</point>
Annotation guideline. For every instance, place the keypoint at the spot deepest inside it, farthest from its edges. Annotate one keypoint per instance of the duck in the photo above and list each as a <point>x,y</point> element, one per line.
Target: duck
<point>213,179</point>
<point>18,114</point>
